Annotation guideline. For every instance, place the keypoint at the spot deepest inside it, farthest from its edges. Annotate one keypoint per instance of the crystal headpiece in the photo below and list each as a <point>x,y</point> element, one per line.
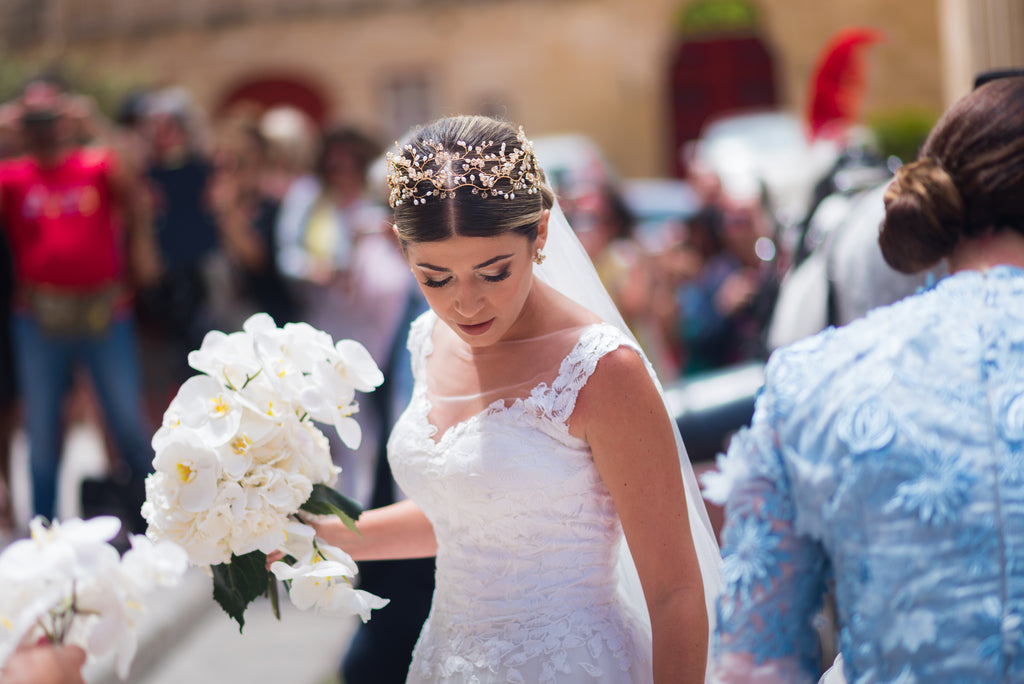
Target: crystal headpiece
<point>439,172</point>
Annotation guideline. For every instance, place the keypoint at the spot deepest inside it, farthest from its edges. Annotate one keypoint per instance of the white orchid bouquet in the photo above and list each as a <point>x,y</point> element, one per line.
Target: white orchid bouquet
<point>238,456</point>
<point>66,583</point>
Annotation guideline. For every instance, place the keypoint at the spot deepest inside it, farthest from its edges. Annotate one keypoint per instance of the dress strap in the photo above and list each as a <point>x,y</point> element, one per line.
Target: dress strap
<point>595,342</point>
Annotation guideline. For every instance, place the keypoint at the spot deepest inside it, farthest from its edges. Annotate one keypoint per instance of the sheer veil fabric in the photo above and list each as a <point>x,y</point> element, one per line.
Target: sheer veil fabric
<point>569,270</point>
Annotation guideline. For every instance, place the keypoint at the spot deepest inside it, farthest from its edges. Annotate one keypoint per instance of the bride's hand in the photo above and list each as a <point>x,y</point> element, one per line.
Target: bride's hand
<point>273,557</point>
<point>332,530</point>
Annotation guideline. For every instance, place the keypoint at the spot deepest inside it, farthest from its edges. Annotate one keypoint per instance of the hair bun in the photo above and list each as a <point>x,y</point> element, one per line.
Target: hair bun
<point>923,216</point>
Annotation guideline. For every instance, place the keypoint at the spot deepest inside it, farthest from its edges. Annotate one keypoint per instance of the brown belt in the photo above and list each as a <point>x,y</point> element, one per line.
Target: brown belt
<point>65,312</point>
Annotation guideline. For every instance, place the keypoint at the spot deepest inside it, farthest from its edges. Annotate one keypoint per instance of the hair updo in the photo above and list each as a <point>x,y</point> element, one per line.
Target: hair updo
<point>463,210</point>
<point>969,178</point>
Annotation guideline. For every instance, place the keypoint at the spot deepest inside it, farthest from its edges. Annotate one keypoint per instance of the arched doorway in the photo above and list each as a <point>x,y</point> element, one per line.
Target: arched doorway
<point>719,63</point>
<point>277,91</point>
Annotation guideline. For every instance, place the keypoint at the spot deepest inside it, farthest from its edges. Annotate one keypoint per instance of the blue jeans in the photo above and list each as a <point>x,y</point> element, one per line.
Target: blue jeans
<point>44,366</point>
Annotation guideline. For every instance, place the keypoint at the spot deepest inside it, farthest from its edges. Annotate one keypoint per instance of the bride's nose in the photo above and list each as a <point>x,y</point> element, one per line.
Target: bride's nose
<point>468,299</point>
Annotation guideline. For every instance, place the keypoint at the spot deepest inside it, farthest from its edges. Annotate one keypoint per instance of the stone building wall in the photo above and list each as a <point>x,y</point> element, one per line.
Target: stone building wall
<point>599,67</point>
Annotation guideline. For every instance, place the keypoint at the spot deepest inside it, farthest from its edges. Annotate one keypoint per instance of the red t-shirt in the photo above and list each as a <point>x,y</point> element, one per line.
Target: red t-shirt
<point>61,222</point>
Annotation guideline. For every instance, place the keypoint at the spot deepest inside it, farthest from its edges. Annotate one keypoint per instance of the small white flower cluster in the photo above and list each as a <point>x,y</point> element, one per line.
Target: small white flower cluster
<point>238,453</point>
<point>68,584</point>
<point>322,576</point>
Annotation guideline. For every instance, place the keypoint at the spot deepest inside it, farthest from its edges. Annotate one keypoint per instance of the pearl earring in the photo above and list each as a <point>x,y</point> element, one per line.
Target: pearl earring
<point>539,257</point>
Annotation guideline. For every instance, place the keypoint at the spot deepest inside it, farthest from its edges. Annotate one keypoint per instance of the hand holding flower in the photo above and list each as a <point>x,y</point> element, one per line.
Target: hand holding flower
<point>44,663</point>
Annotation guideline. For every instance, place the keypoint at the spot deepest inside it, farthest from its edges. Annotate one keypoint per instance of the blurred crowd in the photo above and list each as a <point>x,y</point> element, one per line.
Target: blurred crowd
<point>211,221</point>
<point>697,286</point>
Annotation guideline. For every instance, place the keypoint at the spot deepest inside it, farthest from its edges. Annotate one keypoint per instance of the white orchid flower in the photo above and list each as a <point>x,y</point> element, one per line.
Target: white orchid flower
<point>304,449</point>
<point>334,402</point>
<point>150,564</point>
<point>109,611</point>
<point>204,535</point>
<point>229,358</point>
<point>192,471</point>
<point>356,366</point>
<point>23,607</point>
<point>211,409</point>
<point>238,454</point>
<point>259,323</point>
<point>72,549</point>
<point>298,540</point>
<point>322,580</point>
<point>80,590</point>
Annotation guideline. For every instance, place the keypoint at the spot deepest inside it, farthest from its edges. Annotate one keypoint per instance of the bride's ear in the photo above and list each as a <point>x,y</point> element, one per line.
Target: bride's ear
<point>542,231</point>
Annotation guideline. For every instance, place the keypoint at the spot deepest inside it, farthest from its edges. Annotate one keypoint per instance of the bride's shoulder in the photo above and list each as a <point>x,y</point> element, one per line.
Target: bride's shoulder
<point>616,372</point>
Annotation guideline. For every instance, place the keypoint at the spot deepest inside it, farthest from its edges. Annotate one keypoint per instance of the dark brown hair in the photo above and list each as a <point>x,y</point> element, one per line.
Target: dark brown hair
<point>467,213</point>
<point>969,178</point>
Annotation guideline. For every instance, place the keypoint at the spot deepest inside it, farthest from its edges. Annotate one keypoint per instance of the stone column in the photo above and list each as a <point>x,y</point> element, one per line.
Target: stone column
<point>978,35</point>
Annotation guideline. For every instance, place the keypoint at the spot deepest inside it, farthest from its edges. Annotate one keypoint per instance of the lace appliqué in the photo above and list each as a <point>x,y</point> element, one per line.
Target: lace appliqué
<point>886,455</point>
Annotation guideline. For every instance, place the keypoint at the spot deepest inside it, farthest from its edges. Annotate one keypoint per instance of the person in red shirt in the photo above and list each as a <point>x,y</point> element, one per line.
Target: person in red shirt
<point>72,219</point>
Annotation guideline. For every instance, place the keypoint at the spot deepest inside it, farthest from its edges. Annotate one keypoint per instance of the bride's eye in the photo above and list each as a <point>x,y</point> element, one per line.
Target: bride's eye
<point>436,283</point>
<point>497,278</point>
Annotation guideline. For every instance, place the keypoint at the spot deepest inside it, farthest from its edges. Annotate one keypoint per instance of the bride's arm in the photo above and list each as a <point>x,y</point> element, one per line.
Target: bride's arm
<point>621,415</point>
<point>393,532</point>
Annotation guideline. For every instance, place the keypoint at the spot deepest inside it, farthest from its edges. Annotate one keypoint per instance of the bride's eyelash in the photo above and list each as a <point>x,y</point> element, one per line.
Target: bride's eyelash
<point>489,278</point>
<point>498,278</point>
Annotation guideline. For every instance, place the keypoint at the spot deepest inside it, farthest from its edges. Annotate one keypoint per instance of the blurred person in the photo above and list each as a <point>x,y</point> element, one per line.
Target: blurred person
<point>9,116</point>
<point>174,311</point>
<point>8,386</point>
<point>44,663</point>
<point>633,277</point>
<point>885,457</point>
<point>71,214</point>
<point>723,310</point>
<point>246,215</point>
<point>337,250</point>
<point>291,140</point>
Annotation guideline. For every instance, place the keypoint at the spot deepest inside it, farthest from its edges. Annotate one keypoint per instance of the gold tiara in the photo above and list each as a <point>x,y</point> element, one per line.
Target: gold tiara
<point>440,172</point>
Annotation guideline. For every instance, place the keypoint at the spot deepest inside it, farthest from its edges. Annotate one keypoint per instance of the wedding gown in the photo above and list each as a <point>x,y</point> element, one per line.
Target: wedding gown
<point>528,536</point>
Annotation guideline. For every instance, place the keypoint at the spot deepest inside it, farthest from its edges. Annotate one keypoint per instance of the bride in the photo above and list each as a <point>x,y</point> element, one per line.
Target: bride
<point>536,439</point>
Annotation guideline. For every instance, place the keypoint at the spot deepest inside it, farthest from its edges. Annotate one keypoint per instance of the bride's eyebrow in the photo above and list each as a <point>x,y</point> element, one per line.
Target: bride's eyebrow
<point>432,267</point>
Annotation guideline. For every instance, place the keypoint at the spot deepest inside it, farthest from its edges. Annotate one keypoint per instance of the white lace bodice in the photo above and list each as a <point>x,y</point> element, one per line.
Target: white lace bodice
<point>527,534</point>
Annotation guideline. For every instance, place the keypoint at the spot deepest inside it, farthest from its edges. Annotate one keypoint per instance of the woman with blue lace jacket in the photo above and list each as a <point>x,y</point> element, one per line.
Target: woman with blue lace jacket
<point>885,459</point>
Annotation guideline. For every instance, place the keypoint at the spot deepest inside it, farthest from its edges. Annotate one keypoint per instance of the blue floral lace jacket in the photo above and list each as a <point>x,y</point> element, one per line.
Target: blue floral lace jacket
<point>886,457</point>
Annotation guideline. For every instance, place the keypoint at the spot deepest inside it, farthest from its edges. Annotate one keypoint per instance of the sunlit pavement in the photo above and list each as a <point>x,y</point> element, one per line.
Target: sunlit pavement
<point>184,637</point>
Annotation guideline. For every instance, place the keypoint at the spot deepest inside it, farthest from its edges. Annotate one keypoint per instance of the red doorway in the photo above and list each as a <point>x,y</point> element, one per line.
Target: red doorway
<point>714,74</point>
<point>271,92</point>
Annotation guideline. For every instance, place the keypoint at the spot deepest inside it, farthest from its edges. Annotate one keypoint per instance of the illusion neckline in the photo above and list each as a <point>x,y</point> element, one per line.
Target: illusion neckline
<point>435,436</point>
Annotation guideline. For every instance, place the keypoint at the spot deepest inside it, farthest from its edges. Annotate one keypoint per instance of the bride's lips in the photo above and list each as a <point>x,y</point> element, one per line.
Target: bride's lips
<point>477,329</point>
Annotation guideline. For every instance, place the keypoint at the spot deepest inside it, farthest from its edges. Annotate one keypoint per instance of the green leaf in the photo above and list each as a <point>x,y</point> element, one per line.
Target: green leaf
<point>240,582</point>
<point>275,601</point>
<point>327,501</point>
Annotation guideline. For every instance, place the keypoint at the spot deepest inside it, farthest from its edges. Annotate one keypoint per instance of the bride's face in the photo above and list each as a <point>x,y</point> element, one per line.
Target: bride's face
<point>477,285</point>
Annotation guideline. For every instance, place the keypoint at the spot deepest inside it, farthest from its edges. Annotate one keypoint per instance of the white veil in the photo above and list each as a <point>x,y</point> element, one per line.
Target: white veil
<point>569,270</point>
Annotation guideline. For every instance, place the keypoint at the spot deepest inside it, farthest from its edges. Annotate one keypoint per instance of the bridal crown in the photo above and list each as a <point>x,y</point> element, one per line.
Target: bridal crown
<point>417,176</point>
